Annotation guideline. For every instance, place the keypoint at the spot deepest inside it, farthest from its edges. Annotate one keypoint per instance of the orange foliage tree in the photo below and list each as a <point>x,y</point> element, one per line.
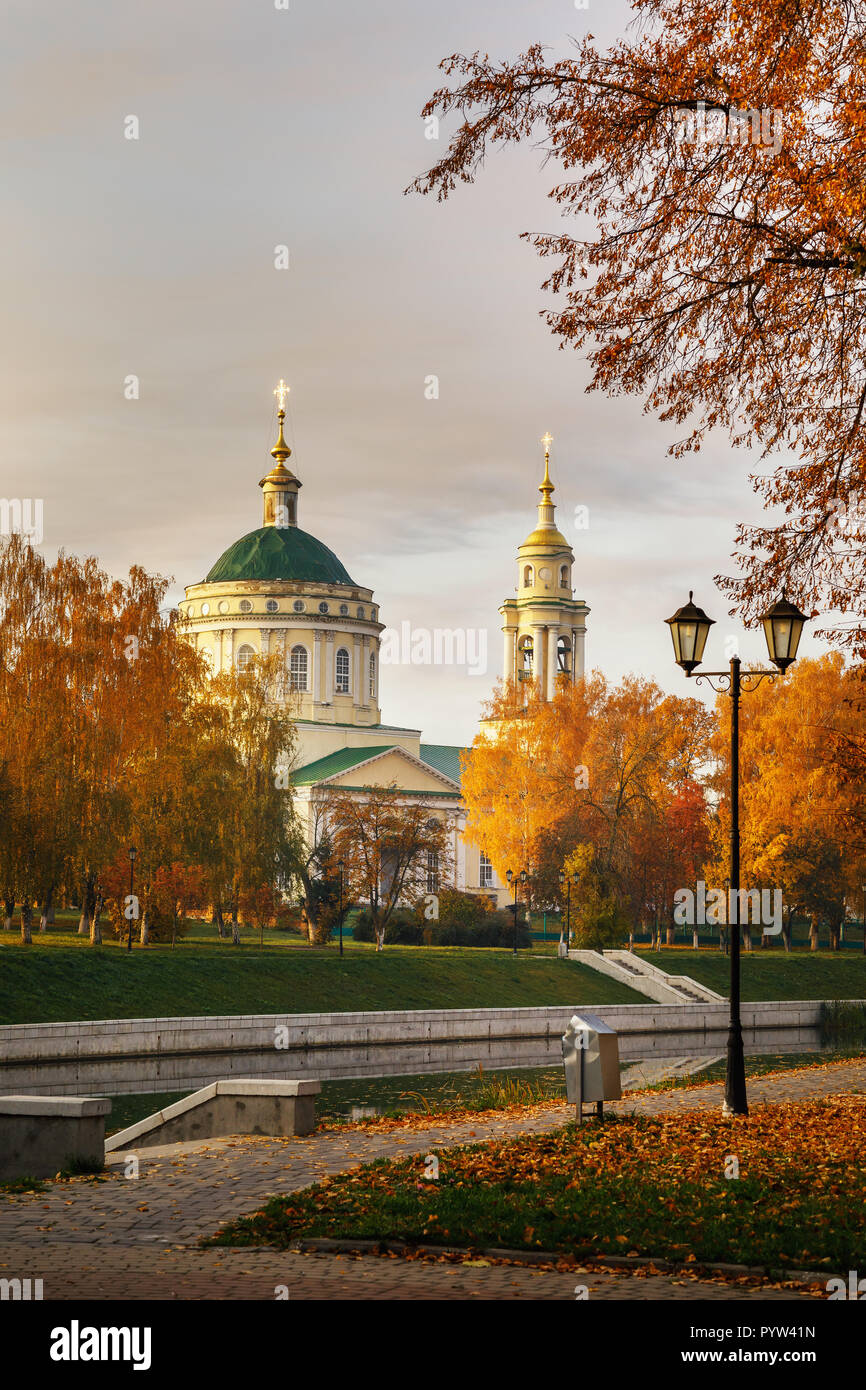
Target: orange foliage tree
<point>609,768</point>
<point>719,153</point>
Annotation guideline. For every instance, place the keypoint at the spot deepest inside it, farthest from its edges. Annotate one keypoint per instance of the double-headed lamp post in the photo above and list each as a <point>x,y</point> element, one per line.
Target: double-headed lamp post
<point>512,877</point>
<point>690,626</point>
<point>566,880</point>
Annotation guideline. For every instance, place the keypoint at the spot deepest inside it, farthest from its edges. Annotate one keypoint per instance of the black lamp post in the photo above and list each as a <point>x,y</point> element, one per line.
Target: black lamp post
<point>132,853</point>
<point>690,626</point>
<point>567,880</point>
<point>341,862</point>
<point>511,877</point>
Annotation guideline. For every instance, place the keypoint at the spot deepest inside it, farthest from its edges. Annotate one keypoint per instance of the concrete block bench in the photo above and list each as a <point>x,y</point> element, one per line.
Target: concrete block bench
<point>224,1109</point>
<point>41,1135</point>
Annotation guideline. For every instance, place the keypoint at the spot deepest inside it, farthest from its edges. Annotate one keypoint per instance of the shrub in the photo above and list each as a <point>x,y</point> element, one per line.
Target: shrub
<point>404,928</point>
<point>494,928</point>
<point>462,909</point>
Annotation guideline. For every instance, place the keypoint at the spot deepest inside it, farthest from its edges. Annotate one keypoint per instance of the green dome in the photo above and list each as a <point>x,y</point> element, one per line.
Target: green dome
<point>278,552</point>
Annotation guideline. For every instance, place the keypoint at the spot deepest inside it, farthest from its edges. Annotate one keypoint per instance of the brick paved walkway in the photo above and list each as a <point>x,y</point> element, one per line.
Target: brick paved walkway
<point>136,1237</point>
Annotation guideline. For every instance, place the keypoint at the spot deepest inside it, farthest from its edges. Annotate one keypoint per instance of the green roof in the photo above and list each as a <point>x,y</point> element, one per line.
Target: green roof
<point>444,758</point>
<point>441,757</point>
<point>335,763</point>
<point>279,552</point>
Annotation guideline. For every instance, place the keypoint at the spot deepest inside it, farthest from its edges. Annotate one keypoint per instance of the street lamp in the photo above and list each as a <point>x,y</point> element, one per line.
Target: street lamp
<point>132,853</point>
<point>509,878</point>
<point>690,626</point>
<point>567,880</point>
<point>340,863</point>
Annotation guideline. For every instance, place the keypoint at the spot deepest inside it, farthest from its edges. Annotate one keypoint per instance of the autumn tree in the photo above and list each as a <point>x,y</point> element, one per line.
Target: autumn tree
<point>596,766</point>
<point>387,842</point>
<point>799,817</point>
<point>718,156</point>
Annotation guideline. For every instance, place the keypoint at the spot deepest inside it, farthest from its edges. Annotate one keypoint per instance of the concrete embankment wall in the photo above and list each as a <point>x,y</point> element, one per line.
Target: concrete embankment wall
<point>150,1054</point>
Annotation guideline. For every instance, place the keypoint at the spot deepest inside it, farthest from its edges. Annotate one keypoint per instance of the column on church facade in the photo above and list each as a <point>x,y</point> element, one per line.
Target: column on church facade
<point>552,663</point>
<point>227,649</point>
<point>459,852</point>
<point>539,662</point>
<point>317,666</point>
<point>509,648</point>
<point>579,651</point>
<point>357,671</point>
<point>265,640</point>
<point>328,682</point>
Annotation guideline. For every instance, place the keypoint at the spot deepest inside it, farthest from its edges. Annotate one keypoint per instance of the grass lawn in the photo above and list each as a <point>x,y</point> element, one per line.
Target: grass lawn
<point>61,978</point>
<point>770,974</point>
<point>632,1185</point>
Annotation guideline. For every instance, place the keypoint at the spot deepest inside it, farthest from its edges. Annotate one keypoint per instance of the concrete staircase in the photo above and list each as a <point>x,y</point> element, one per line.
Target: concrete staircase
<point>634,970</point>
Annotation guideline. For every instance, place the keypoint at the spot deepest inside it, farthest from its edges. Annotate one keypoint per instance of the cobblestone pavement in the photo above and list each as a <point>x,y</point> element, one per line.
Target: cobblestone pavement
<point>129,1237</point>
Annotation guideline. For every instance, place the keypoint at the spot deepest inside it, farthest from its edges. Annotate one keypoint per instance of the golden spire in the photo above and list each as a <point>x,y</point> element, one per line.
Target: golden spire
<point>546,487</point>
<point>281,450</point>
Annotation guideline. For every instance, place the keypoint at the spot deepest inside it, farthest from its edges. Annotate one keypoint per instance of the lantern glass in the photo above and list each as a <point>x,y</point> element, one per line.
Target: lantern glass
<point>523,875</point>
<point>783,628</point>
<point>690,628</point>
<point>509,876</point>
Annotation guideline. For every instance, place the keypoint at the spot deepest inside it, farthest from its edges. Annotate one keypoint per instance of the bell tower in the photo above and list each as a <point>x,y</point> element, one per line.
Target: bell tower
<point>544,626</point>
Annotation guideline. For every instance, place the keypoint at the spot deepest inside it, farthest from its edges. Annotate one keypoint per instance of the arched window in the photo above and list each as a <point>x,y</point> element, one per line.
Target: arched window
<point>527,576</point>
<point>486,873</point>
<point>372,675</point>
<point>244,657</point>
<point>526,650</point>
<point>342,671</point>
<point>563,655</point>
<point>563,577</point>
<point>298,668</point>
<point>432,871</point>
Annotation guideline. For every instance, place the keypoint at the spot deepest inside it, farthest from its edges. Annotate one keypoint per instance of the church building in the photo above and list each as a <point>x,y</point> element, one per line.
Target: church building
<point>281,590</point>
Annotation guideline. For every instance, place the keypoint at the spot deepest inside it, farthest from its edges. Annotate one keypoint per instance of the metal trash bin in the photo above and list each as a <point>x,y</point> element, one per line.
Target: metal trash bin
<point>590,1055</point>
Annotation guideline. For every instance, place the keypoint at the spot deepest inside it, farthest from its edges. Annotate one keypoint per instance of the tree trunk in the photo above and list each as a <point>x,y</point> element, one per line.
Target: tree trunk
<point>786,932</point>
<point>380,938</point>
<point>143,932</point>
<point>747,936</point>
<point>9,909</point>
<point>813,933</point>
<point>95,928</point>
<point>26,923</point>
<point>47,909</point>
<point>217,917</point>
<point>669,935</point>
<point>631,940</point>
<point>834,936</point>
<point>695,939</point>
<point>236,931</point>
<point>86,907</point>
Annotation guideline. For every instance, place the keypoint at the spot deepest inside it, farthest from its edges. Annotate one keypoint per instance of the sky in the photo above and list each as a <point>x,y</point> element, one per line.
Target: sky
<point>154,257</point>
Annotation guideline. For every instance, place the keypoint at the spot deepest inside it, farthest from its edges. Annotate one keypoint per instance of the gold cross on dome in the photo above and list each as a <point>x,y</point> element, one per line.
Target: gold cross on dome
<point>281,392</point>
<point>547,440</point>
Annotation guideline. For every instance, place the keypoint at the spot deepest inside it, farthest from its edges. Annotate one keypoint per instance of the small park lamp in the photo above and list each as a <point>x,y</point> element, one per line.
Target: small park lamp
<point>341,866</point>
<point>513,878</point>
<point>132,853</point>
<point>690,626</point>
<point>565,881</point>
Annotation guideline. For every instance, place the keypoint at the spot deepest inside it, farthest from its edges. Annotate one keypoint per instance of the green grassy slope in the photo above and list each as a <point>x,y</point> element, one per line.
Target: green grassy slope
<point>772,974</point>
<point>64,983</point>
